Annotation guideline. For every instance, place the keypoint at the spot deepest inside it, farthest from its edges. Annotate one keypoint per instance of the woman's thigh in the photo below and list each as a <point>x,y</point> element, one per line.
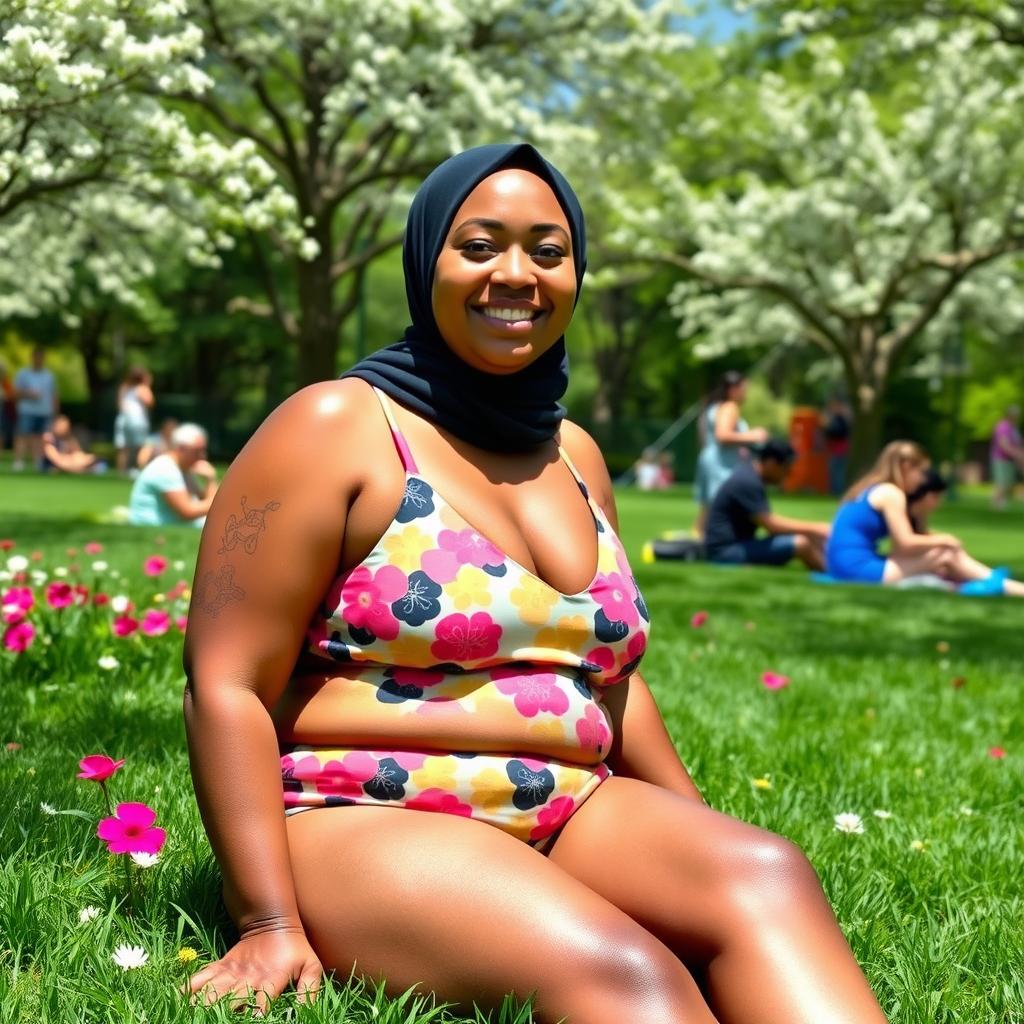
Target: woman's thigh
<point>467,911</point>
<point>676,866</point>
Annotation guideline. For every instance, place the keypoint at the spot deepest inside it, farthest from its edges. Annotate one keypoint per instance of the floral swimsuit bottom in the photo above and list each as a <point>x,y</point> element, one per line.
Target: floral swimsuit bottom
<point>465,659</point>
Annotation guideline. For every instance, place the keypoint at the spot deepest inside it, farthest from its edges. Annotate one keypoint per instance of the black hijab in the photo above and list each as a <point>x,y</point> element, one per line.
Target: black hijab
<point>500,412</point>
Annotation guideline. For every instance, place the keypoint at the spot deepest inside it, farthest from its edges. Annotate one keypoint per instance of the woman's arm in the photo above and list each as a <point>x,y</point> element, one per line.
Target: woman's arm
<point>727,415</point>
<point>892,503</point>
<point>258,581</point>
<point>641,747</point>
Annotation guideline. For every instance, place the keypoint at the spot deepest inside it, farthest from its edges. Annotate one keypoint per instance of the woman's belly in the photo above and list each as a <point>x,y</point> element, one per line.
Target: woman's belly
<point>516,709</point>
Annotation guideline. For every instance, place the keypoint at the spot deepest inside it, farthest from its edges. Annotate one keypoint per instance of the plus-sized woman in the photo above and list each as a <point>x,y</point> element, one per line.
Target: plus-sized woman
<point>419,737</point>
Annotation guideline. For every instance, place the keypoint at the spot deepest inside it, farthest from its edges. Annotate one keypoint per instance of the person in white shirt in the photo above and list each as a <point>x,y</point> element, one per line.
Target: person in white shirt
<point>131,427</point>
<point>35,391</point>
<point>176,488</point>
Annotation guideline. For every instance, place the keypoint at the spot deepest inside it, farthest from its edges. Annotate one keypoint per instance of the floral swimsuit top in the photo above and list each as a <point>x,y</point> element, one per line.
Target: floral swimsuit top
<point>455,652</point>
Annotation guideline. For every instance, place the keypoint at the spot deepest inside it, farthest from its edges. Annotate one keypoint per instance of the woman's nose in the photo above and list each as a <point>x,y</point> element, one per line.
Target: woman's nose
<point>513,268</point>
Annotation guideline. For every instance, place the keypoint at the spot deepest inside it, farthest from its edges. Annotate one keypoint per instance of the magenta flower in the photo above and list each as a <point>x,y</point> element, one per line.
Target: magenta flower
<point>461,638</point>
<point>602,657</point>
<point>698,619</point>
<point>181,622</point>
<point>20,596</point>
<point>532,692</point>
<point>98,767</point>
<point>592,730</point>
<point>94,547</point>
<point>154,565</point>
<point>19,636</point>
<point>552,817</point>
<point>124,625</point>
<point>59,594</point>
<point>131,830</point>
<point>99,598</point>
<point>367,598</point>
<point>616,595</point>
<point>155,622</point>
<point>997,752</point>
<point>774,681</point>
<point>439,800</point>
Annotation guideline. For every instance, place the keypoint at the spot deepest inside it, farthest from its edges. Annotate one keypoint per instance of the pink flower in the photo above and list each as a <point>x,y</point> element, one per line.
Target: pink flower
<point>439,800</point>
<point>19,636</point>
<point>997,752</point>
<point>592,730</point>
<point>774,681</point>
<point>367,599</point>
<point>98,767</point>
<point>177,590</point>
<point>154,565</point>
<point>59,595</point>
<point>181,622</point>
<point>20,596</point>
<point>100,598</point>
<point>131,830</point>
<point>342,778</point>
<point>410,760</point>
<point>124,625</point>
<point>421,677</point>
<point>6,544</point>
<point>615,595</point>
<point>532,691</point>
<point>156,622</point>
<point>94,547</point>
<point>81,593</point>
<point>698,619</point>
<point>552,817</point>
<point>460,638</point>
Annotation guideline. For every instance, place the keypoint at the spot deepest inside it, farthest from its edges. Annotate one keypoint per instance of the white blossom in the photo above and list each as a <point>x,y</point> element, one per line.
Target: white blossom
<point>145,860</point>
<point>107,662</point>
<point>119,604</point>
<point>87,914</point>
<point>129,957</point>
<point>847,821</point>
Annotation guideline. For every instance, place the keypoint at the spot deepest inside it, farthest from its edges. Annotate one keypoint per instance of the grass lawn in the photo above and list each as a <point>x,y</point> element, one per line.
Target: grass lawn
<point>897,702</point>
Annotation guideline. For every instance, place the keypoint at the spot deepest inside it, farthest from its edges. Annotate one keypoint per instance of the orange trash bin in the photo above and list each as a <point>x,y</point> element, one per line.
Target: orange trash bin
<point>809,471</point>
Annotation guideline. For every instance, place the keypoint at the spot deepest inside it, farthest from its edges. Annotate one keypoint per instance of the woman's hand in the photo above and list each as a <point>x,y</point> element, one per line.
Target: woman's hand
<point>946,540</point>
<point>263,963</point>
<point>758,435</point>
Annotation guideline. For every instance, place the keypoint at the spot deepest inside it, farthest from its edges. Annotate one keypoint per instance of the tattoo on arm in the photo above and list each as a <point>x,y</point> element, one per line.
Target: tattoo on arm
<point>217,589</point>
<point>246,529</point>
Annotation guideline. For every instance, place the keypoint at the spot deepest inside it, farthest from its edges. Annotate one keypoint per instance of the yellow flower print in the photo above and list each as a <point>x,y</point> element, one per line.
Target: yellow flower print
<point>472,586</point>
<point>606,559</point>
<point>405,549</point>
<point>436,773</point>
<point>492,790</point>
<point>534,600</point>
<point>550,732</point>
<point>411,651</point>
<point>568,634</point>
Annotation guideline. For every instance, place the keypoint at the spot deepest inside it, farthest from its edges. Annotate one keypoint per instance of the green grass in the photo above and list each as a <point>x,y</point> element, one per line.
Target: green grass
<point>871,721</point>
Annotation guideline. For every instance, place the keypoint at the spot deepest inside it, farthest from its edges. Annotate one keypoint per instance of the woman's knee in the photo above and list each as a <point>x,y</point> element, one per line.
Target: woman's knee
<point>764,871</point>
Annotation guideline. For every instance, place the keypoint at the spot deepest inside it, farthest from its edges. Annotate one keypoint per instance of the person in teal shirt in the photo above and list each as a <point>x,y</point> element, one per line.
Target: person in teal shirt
<point>176,488</point>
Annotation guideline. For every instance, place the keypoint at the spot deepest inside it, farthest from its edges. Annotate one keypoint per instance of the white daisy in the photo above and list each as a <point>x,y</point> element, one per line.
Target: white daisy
<point>966,811</point>
<point>884,815</point>
<point>107,662</point>
<point>127,957</point>
<point>86,914</point>
<point>5,576</point>
<point>17,563</point>
<point>849,822</point>
<point>47,808</point>
<point>60,571</point>
<point>99,566</point>
<point>145,860</point>
<point>179,565</point>
<point>39,577</point>
<point>119,604</point>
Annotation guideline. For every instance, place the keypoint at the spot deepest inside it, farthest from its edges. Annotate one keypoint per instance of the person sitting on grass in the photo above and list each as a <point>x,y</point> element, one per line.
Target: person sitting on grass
<point>875,507</point>
<point>921,503</point>
<point>741,506</point>
<point>63,451</point>
<point>176,488</point>
<point>367,672</point>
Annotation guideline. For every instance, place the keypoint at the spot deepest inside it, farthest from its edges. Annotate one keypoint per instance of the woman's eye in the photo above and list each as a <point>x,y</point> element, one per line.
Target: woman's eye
<point>478,247</point>
<point>549,252</point>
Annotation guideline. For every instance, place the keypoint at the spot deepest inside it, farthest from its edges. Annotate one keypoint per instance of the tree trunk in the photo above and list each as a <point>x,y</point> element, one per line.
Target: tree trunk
<point>866,439</point>
<point>318,330</point>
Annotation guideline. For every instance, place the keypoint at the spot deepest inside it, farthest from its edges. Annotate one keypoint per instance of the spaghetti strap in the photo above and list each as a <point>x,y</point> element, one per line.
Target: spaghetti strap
<point>404,452</point>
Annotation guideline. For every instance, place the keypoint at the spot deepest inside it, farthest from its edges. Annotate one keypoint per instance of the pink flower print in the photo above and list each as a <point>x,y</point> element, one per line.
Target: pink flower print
<point>532,692</point>
<point>19,637</point>
<point>553,816</point>
<point>342,778</point>
<point>461,638</point>
<point>601,657</point>
<point>420,677</point>
<point>155,622</point>
<point>367,599</point>
<point>469,548</point>
<point>131,830</point>
<point>615,594</point>
<point>154,565</point>
<point>124,625</point>
<point>592,730</point>
<point>774,681</point>
<point>698,619</point>
<point>440,565</point>
<point>439,801</point>
<point>98,767</point>
<point>407,759</point>
<point>59,595</point>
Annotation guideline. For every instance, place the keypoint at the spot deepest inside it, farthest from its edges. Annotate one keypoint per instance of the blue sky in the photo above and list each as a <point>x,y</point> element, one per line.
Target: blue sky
<point>716,20</point>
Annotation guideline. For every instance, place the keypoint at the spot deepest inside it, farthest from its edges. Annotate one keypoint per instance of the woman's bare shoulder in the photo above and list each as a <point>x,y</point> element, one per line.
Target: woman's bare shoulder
<point>588,459</point>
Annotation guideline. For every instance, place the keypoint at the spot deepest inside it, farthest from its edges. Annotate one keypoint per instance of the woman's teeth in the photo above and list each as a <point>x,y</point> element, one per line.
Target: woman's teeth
<point>512,315</point>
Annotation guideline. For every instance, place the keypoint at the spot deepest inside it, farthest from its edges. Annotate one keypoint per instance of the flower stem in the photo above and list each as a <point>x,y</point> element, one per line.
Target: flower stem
<point>131,884</point>
<point>106,797</point>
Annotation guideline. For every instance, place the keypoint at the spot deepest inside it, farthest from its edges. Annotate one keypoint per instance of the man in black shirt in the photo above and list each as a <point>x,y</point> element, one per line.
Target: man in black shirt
<point>741,506</point>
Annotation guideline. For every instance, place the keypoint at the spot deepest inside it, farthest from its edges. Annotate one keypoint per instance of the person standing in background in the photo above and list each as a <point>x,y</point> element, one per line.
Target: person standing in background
<point>835,426</point>
<point>1006,456</point>
<point>35,391</point>
<point>724,435</point>
<point>131,426</point>
<point>8,409</point>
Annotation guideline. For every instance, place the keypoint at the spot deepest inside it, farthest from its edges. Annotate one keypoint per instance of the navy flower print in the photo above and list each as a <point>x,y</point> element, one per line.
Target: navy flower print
<point>420,603</point>
<point>337,648</point>
<point>532,787</point>
<point>389,781</point>
<point>363,637</point>
<point>608,630</point>
<point>417,501</point>
<point>390,691</point>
